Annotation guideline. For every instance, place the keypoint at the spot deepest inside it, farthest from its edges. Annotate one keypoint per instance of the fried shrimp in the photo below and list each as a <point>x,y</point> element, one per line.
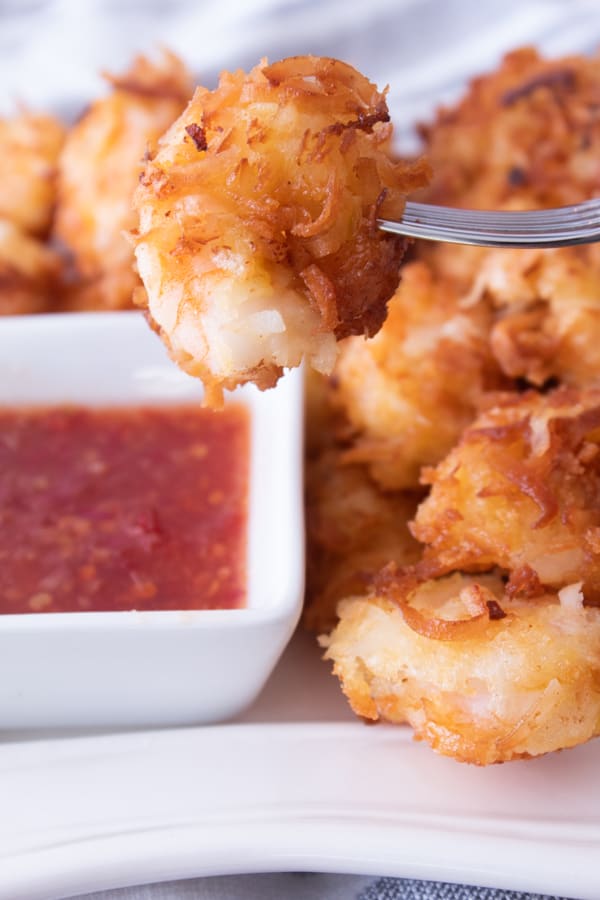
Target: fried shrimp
<point>353,530</point>
<point>29,272</point>
<point>521,491</point>
<point>526,136</point>
<point>353,527</point>
<point>258,243</point>
<point>29,145</point>
<point>480,676</point>
<point>411,389</point>
<point>99,169</point>
<point>528,130</point>
<point>547,312</point>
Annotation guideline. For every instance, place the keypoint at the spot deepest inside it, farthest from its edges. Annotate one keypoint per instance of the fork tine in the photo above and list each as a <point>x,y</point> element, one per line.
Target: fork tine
<point>513,227</point>
<point>590,209</point>
<point>576,224</point>
<point>498,226</point>
<point>575,208</point>
<point>488,240</point>
<point>585,212</point>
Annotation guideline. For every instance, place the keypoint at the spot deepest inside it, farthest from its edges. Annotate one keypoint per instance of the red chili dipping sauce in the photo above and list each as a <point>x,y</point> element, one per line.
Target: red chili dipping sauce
<point>116,509</point>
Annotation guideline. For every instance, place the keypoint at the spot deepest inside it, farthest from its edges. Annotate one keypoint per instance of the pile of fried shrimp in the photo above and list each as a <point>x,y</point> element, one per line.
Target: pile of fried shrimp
<point>66,202</point>
<point>453,406</point>
<point>453,487</point>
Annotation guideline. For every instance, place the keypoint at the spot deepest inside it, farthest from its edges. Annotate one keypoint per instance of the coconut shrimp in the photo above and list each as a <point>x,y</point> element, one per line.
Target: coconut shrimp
<point>353,530</point>
<point>258,243</point>
<point>521,491</point>
<point>99,168</point>
<point>525,136</point>
<point>29,147</point>
<point>409,391</point>
<point>29,272</point>
<point>481,676</point>
<point>546,312</point>
<point>528,131</point>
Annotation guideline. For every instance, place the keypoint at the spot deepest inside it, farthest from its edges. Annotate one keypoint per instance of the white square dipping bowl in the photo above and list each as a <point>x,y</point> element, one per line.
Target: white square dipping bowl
<point>133,668</point>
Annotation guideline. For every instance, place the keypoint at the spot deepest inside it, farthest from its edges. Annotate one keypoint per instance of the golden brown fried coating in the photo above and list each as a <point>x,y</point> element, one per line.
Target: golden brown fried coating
<point>481,683</point>
<point>29,145</point>
<point>353,529</point>
<point>521,491</point>
<point>526,136</point>
<point>29,272</point>
<point>111,290</point>
<point>258,242</point>
<point>99,168</point>
<point>411,389</point>
<point>547,319</point>
<point>527,132</point>
<point>319,417</point>
<point>489,644</point>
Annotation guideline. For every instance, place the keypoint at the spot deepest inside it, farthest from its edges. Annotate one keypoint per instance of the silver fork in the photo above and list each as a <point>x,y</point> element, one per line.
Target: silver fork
<point>561,227</point>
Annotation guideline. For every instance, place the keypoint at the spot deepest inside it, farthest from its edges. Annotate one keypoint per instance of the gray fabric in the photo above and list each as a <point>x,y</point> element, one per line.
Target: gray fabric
<point>407,889</point>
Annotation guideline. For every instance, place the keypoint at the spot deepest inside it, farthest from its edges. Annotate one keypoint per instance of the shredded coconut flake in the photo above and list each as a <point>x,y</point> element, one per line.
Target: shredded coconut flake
<point>571,596</point>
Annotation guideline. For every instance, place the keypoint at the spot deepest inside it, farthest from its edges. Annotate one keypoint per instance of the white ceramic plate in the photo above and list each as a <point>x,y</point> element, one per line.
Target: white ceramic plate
<point>281,790</point>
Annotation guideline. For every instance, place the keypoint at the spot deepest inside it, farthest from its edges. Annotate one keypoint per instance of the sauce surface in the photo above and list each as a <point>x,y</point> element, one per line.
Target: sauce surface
<point>123,508</point>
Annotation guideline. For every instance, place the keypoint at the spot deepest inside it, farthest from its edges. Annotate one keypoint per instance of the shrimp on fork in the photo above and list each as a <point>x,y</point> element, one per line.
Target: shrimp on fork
<point>258,243</point>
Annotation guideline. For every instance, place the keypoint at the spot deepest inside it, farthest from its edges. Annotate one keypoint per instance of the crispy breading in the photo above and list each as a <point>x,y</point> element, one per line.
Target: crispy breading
<point>29,272</point>
<point>30,144</point>
<point>99,169</point>
<point>489,645</point>
<point>258,243</point>
<point>517,680</point>
<point>526,136</point>
<point>411,390</point>
<point>547,319</point>
<point>521,491</point>
<point>353,529</point>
